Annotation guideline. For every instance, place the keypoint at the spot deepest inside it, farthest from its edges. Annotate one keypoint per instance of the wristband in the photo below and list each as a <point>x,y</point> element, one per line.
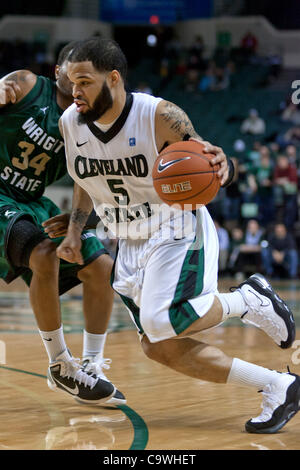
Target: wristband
<point>231,171</point>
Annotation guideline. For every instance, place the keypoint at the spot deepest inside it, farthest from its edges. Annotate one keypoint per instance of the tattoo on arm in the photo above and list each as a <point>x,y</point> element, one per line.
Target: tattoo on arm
<point>178,120</point>
<point>79,217</point>
<point>17,77</point>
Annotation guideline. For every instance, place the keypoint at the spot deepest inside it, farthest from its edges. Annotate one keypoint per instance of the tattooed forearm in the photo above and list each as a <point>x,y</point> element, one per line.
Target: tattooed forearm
<point>82,207</point>
<point>177,120</point>
<point>79,217</point>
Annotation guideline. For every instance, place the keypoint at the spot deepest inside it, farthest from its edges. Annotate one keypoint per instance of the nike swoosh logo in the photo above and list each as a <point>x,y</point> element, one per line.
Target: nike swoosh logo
<point>72,391</point>
<point>83,143</point>
<point>162,166</point>
<point>47,339</point>
<point>261,301</point>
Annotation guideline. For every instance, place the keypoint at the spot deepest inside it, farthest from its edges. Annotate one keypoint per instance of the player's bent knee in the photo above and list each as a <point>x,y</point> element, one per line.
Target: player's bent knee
<point>151,349</point>
<point>161,351</point>
<point>100,268</point>
<point>43,259</point>
<point>23,237</point>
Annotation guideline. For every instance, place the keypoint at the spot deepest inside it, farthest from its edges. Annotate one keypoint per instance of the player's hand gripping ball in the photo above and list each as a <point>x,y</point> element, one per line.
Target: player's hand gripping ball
<point>182,174</point>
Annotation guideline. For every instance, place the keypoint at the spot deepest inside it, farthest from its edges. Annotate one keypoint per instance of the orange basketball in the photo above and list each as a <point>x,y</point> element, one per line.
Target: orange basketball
<point>182,174</point>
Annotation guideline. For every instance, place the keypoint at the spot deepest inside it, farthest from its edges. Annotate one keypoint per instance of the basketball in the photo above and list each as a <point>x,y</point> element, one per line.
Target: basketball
<point>182,174</point>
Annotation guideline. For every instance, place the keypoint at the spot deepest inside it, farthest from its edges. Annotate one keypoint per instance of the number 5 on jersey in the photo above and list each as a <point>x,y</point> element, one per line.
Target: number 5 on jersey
<point>114,185</point>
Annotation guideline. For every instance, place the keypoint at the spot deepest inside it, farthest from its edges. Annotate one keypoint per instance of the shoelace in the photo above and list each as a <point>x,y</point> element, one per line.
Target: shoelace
<point>75,371</point>
<point>97,367</point>
<point>269,404</point>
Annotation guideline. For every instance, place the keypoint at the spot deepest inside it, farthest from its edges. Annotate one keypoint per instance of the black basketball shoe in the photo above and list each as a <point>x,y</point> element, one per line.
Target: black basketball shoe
<point>281,401</point>
<point>66,374</point>
<point>94,366</point>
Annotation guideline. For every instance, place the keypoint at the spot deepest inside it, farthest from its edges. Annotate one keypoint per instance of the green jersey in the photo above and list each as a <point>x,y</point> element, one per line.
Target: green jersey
<point>32,152</point>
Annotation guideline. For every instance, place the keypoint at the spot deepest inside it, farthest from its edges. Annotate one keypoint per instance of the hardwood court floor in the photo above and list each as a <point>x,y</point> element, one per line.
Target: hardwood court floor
<point>165,410</point>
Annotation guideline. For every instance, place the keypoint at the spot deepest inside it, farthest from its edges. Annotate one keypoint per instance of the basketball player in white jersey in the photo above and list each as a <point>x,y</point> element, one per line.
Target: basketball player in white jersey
<point>166,267</point>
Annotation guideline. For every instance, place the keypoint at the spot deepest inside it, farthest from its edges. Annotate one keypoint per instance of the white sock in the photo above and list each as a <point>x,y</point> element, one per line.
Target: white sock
<point>54,342</point>
<point>93,344</point>
<point>233,304</point>
<point>251,375</point>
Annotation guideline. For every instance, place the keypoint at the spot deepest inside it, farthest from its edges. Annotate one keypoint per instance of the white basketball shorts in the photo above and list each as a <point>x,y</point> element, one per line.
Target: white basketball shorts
<point>167,284</point>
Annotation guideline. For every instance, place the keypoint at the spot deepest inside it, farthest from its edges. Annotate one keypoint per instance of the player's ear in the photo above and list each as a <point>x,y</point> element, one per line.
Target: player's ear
<point>56,71</point>
<point>115,77</point>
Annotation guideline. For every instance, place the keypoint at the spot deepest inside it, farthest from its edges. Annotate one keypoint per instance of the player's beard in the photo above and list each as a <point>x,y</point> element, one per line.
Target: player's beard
<point>102,103</point>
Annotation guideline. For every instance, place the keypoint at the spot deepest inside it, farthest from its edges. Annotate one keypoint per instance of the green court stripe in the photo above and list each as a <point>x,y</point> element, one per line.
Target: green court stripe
<point>23,372</point>
<point>141,435</point>
<point>140,438</point>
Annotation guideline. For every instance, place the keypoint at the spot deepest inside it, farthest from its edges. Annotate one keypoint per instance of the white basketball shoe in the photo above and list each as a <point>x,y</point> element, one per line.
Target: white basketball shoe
<point>267,311</point>
<point>281,401</point>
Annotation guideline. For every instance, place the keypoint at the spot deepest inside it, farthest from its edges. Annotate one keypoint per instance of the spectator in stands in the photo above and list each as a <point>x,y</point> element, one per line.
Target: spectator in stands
<point>208,80</point>
<point>197,47</point>
<point>173,48</point>
<point>193,73</point>
<point>253,124</point>
<point>291,137</point>
<point>279,256</point>
<point>274,150</point>
<point>286,187</point>
<point>221,81</point>
<point>254,155</point>
<point>248,46</point>
<point>262,185</point>
<point>291,114</point>
<point>292,154</point>
<point>191,80</point>
<point>236,240</point>
<point>248,248</point>
<point>232,199</point>
<point>249,43</point>
<point>224,244</point>
<point>181,67</point>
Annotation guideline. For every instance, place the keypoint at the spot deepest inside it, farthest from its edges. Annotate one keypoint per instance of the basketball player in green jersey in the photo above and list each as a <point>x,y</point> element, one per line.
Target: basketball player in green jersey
<point>31,158</point>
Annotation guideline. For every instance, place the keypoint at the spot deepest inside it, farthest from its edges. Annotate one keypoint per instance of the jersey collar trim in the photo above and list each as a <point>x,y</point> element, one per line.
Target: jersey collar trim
<point>105,137</point>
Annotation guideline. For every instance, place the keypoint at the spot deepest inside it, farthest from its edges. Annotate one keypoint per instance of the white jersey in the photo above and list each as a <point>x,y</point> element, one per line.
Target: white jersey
<point>115,167</point>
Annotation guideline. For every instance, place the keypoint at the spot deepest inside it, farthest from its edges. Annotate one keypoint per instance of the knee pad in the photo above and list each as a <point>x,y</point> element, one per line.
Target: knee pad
<point>23,238</point>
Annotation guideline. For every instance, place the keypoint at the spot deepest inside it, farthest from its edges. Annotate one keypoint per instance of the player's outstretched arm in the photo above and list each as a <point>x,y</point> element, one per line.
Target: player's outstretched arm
<point>70,248</point>
<point>172,125</point>
<point>15,86</point>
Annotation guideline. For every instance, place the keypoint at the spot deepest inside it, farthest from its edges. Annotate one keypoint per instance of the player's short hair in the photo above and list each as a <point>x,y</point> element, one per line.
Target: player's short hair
<point>105,55</point>
<point>65,51</point>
